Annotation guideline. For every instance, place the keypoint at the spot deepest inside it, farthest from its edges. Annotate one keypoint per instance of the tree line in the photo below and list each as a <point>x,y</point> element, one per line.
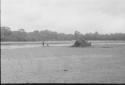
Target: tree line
<point>21,35</point>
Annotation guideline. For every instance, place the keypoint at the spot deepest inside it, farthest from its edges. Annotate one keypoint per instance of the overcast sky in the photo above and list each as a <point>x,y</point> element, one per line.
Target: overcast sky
<point>104,16</point>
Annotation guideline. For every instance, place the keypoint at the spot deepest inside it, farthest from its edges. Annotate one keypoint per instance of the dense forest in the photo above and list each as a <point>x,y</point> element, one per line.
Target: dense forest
<point>21,35</point>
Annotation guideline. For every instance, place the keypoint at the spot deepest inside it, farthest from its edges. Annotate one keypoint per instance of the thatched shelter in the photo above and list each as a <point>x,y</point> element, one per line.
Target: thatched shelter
<point>80,40</point>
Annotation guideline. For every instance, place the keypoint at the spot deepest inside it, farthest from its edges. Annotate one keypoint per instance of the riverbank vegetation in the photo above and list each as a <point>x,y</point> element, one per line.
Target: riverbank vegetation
<point>21,35</point>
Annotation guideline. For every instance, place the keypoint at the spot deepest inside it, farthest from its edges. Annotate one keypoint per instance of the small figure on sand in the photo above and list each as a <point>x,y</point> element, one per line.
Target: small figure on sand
<point>43,43</point>
<point>47,44</point>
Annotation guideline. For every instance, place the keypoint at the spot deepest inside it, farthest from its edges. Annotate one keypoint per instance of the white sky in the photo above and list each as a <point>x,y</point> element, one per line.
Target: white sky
<point>104,16</point>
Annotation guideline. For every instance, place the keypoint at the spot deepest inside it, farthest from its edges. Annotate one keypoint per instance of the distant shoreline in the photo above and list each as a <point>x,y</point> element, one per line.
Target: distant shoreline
<point>58,42</point>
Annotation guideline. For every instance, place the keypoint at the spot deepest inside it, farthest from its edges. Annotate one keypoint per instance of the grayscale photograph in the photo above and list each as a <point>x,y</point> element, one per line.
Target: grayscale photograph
<point>62,41</point>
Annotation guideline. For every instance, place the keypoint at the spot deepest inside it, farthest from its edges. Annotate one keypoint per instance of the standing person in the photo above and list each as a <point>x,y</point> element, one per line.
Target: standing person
<point>43,43</point>
<point>47,44</point>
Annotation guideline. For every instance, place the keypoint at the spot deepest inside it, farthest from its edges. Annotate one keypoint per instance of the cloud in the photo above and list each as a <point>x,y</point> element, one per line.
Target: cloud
<point>105,16</point>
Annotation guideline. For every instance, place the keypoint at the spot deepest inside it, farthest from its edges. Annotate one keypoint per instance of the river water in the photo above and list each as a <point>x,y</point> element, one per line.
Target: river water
<point>94,43</point>
<point>30,46</point>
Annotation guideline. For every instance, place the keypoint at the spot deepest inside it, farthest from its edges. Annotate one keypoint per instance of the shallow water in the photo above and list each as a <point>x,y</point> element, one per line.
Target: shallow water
<point>29,46</point>
<point>17,46</point>
<point>94,43</point>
